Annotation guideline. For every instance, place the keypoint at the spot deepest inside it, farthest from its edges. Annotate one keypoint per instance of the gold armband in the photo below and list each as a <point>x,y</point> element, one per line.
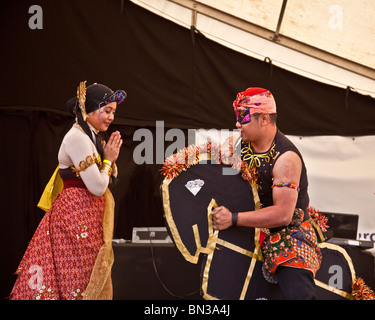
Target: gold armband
<point>84,164</point>
<point>107,168</point>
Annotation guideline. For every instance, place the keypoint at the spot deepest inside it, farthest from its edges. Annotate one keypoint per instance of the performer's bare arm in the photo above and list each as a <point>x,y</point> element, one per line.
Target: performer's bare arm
<point>286,170</point>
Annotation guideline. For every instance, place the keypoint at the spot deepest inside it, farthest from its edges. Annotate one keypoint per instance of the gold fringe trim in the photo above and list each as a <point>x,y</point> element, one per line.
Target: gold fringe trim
<point>100,285</point>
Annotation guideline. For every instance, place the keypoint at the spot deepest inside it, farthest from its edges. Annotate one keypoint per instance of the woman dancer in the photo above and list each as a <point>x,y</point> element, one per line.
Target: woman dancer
<point>70,255</point>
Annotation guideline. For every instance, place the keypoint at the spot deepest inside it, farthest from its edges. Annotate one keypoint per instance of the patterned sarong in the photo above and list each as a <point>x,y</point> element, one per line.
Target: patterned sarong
<point>60,258</point>
<point>294,246</point>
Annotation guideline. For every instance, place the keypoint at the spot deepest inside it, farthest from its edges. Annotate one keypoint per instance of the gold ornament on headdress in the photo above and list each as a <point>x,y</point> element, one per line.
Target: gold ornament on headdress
<point>81,96</point>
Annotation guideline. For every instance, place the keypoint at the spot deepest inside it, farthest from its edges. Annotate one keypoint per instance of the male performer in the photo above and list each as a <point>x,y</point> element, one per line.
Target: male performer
<point>289,248</point>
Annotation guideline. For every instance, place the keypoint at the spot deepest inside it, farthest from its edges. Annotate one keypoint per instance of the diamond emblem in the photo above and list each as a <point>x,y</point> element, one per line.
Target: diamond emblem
<point>194,186</point>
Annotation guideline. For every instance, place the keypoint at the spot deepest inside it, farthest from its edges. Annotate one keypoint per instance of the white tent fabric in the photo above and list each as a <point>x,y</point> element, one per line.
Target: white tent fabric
<point>259,48</point>
<point>344,28</point>
<point>340,169</point>
<point>342,176</point>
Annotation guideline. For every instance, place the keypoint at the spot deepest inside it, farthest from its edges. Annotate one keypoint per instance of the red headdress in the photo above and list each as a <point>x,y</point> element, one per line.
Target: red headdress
<point>257,100</point>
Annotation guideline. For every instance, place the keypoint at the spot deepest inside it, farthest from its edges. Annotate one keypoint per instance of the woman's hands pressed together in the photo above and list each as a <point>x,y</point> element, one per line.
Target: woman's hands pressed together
<point>112,147</point>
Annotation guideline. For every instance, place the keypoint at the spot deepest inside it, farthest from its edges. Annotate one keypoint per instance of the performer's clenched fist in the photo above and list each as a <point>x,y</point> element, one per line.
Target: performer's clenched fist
<point>222,218</point>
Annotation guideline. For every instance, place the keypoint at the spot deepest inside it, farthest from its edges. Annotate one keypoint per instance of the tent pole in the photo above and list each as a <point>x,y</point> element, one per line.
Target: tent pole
<point>281,16</point>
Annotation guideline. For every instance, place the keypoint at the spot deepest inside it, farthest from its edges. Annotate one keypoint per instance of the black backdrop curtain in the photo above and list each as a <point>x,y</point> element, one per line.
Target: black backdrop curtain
<point>170,74</point>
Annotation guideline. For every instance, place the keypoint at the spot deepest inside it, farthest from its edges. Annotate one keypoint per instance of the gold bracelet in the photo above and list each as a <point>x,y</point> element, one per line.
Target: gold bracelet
<point>107,161</point>
<point>107,168</point>
<point>114,169</point>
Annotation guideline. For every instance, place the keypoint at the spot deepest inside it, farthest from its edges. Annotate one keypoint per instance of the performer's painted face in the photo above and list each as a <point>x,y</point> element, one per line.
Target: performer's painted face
<point>102,118</point>
<point>248,125</point>
<point>243,116</point>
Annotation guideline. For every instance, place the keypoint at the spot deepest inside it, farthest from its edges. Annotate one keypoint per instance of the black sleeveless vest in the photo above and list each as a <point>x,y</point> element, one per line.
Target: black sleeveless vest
<point>264,163</point>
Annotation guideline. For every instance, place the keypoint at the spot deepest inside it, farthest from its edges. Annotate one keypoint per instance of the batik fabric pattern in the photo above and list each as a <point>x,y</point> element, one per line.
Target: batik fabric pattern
<point>60,258</point>
<point>294,246</point>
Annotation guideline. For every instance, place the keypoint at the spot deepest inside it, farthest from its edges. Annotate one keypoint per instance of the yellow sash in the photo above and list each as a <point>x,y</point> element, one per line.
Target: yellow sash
<point>53,187</point>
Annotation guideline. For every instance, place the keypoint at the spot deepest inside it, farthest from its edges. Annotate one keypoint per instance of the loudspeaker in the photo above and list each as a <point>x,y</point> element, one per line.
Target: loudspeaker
<point>153,272</point>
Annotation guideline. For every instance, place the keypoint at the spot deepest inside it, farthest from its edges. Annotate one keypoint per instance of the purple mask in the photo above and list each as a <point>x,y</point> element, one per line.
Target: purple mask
<point>243,116</point>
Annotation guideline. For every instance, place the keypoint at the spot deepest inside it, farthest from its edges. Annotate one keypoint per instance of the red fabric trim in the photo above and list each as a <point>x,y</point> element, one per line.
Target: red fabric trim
<point>74,183</point>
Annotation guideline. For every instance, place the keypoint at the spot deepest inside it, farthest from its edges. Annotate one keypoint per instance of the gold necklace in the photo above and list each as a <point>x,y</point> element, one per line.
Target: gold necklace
<point>248,155</point>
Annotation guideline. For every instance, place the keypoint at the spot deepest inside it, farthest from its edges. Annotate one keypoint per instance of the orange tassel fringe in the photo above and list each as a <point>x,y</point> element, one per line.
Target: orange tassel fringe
<point>361,291</point>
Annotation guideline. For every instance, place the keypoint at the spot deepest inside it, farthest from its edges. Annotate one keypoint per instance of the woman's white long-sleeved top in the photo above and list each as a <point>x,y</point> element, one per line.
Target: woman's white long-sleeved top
<point>78,150</point>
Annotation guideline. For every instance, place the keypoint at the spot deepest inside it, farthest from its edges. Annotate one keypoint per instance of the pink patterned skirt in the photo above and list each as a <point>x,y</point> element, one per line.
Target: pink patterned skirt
<point>61,255</point>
